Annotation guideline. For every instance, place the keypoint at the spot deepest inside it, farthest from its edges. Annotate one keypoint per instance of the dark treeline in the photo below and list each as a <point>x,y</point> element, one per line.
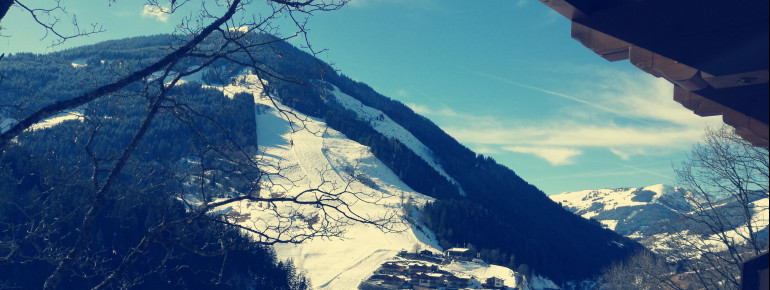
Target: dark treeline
<point>35,189</point>
<point>45,179</point>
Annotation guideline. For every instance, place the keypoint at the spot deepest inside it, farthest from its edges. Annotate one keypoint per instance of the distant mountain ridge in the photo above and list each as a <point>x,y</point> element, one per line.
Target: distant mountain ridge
<point>632,212</point>
<point>646,214</point>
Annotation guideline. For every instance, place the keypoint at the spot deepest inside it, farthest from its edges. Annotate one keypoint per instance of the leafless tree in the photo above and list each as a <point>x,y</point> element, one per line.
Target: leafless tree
<point>223,31</point>
<point>727,179</point>
<point>728,182</point>
<point>49,18</point>
<point>643,270</point>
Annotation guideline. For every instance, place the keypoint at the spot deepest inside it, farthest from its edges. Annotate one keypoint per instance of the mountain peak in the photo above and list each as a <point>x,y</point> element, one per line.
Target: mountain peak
<point>628,211</point>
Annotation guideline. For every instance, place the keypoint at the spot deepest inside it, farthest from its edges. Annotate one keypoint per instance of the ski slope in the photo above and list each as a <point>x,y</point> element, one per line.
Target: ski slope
<point>304,153</point>
<point>310,155</point>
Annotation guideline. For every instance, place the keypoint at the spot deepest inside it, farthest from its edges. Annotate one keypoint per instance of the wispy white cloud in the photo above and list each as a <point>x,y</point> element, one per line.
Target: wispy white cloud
<point>443,111</point>
<point>572,134</point>
<point>402,93</point>
<point>484,150</point>
<point>595,105</point>
<point>555,156</point>
<point>623,170</point>
<point>627,114</point>
<point>651,172</point>
<point>440,110</point>
<point>158,12</point>
<point>419,109</point>
<point>624,142</point>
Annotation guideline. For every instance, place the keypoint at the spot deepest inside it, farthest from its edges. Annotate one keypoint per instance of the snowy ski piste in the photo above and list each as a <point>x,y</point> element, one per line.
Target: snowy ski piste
<point>303,153</point>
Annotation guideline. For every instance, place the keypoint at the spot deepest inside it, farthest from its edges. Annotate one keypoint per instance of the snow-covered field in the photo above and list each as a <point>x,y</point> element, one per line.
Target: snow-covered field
<point>308,155</point>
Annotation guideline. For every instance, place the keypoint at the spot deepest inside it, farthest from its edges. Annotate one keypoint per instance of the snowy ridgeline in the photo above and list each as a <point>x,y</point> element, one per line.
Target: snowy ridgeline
<point>635,212</point>
<point>623,208</point>
<point>309,154</point>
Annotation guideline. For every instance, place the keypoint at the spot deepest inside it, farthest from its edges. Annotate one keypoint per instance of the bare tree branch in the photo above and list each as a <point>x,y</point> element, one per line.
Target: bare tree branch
<point>57,107</point>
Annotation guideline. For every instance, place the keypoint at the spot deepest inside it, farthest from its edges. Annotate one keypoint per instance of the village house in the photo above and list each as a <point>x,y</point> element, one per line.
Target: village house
<point>428,280</point>
<point>392,268</point>
<point>415,268</point>
<point>426,253</point>
<point>454,282</point>
<point>494,282</point>
<point>411,274</point>
<point>459,254</point>
<point>397,281</point>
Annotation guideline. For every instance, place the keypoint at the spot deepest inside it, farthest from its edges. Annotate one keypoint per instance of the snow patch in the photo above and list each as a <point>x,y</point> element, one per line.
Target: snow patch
<point>540,282</point>
<point>386,126</point>
<point>78,63</point>
<point>611,224</point>
<point>55,120</point>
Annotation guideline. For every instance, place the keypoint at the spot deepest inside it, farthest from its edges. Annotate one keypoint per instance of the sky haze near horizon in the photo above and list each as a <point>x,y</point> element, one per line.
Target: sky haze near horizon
<point>502,77</point>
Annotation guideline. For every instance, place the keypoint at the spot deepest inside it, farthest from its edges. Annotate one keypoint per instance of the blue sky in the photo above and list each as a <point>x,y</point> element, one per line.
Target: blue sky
<point>503,77</point>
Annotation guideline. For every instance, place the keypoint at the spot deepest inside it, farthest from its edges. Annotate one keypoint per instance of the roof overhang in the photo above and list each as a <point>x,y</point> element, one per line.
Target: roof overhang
<point>715,52</point>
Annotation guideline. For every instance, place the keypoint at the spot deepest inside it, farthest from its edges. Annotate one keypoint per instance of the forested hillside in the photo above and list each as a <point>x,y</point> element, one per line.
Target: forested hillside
<point>169,261</point>
<point>507,220</point>
<point>144,237</point>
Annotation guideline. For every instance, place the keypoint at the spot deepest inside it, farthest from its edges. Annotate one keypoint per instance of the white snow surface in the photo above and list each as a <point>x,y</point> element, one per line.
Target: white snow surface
<point>321,156</point>
<point>610,199</point>
<point>540,282</point>
<point>78,63</point>
<point>310,154</point>
<point>483,271</point>
<point>389,128</point>
<point>55,120</point>
<point>611,224</point>
<point>591,203</point>
<point>759,219</point>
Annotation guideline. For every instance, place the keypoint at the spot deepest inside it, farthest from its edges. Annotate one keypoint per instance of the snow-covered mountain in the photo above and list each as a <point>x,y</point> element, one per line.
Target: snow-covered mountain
<point>324,130</point>
<point>644,214</point>
<point>632,212</point>
<point>311,154</point>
